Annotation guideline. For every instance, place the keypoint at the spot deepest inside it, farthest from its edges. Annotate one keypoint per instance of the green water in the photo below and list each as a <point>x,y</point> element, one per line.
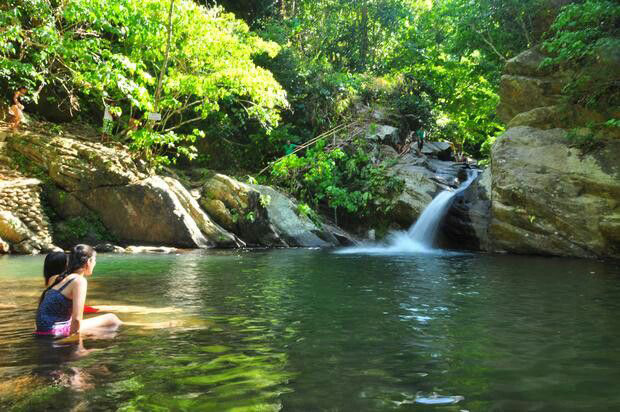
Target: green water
<point>305,330</point>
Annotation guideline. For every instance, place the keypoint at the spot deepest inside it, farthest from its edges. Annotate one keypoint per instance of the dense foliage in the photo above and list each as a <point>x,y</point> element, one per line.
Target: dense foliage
<point>338,178</point>
<point>93,53</point>
<point>241,90</point>
<point>585,39</point>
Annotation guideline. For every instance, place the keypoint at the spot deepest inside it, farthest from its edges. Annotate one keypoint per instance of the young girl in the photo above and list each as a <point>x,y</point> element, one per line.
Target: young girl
<point>61,307</point>
<point>17,109</point>
<point>55,264</point>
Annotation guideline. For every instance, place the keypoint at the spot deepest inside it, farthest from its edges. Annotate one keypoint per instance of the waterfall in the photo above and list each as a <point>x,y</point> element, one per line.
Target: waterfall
<point>421,236</point>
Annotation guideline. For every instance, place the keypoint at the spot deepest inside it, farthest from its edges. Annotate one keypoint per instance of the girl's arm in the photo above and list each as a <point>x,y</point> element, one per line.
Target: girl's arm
<point>79,297</point>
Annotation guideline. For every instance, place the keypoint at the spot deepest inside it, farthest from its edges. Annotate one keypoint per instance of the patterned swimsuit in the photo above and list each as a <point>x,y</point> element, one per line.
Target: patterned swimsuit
<point>54,313</point>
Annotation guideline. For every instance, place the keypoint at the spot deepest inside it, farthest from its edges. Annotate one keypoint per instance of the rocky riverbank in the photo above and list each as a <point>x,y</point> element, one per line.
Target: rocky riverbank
<point>545,193</point>
<point>90,192</point>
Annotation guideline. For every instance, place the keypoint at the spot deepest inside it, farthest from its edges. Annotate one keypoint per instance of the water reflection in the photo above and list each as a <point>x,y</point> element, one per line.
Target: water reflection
<point>308,330</point>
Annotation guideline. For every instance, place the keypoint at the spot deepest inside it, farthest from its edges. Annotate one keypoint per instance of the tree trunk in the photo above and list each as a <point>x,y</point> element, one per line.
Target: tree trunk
<point>363,30</point>
<point>166,58</point>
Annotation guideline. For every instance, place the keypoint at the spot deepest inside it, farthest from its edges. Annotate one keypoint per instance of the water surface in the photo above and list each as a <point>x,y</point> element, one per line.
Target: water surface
<point>309,330</point>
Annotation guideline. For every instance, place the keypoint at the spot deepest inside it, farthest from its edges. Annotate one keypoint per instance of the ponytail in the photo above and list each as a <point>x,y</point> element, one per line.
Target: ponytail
<point>80,254</point>
<point>55,264</point>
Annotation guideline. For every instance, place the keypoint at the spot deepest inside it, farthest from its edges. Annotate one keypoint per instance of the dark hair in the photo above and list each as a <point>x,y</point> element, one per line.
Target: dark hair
<point>78,258</point>
<point>22,88</point>
<point>55,264</point>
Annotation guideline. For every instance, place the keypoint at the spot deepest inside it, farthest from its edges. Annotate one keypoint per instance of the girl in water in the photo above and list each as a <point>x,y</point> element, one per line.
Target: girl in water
<point>61,307</point>
<point>55,264</point>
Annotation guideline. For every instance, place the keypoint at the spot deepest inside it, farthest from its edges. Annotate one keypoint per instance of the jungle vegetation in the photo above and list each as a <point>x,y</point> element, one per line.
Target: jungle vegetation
<point>236,80</point>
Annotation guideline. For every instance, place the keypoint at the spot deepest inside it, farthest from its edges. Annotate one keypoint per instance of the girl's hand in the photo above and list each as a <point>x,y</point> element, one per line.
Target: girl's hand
<point>75,325</point>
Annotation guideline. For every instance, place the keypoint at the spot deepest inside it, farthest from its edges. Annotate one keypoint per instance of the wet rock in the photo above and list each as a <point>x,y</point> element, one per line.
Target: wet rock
<point>466,225</point>
<point>424,178</point>
<point>109,248</point>
<point>150,249</point>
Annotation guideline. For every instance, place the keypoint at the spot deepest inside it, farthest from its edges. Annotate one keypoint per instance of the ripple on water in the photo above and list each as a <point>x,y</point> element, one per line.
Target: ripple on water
<point>307,330</point>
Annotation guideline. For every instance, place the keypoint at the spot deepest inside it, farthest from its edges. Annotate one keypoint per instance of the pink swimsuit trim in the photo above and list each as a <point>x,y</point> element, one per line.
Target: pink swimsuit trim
<point>59,329</point>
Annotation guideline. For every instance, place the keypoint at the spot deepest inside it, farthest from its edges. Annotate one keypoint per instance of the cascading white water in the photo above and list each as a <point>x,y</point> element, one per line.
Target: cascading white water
<point>420,237</point>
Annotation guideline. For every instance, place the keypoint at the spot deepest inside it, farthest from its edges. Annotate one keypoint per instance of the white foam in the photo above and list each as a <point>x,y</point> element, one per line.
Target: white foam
<point>419,239</point>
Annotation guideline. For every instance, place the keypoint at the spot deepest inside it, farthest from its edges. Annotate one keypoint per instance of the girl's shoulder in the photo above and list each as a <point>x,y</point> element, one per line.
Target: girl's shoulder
<point>72,279</point>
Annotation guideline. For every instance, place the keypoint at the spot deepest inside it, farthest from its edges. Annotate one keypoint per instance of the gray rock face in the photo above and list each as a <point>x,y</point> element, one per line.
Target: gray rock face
<point>424,178</point>
<point>289,224</point>
<point>524,86</point>
<point>92,178</point>
<point>549,198</point>
<point>262,216</point>
<point>77,165</point>
<point>151,212</point>
<point>383,133</point>
<point>440,150</point>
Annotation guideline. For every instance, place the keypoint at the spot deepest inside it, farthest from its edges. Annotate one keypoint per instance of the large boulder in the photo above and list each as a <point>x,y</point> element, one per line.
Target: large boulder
<point>4,247</point>
<point>215,233</point>
<point>20,239</point>
<point>550,198</point>
<point>92,179</point>
<point>440,150</point>
<point>150,211</point>
<point>75,164</point>
<point>262,216</point>
<point>12,229</point>
<point>524,86</point>
<point>383,133</point>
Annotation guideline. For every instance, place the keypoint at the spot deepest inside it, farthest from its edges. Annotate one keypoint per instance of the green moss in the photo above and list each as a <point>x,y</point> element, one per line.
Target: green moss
<point>43,399</point>
<point>86,229</point>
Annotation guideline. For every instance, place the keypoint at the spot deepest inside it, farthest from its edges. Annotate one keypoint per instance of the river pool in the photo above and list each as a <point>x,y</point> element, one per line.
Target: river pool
<point>310,330</point>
